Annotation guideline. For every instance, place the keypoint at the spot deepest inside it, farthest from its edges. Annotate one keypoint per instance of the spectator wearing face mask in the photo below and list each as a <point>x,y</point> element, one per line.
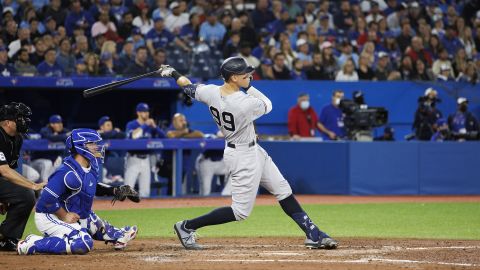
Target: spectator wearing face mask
<point>462,121</point>
<point>302,118</point>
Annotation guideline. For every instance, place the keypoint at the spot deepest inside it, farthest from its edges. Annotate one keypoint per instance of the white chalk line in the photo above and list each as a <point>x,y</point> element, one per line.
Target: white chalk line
<point>359,261</point>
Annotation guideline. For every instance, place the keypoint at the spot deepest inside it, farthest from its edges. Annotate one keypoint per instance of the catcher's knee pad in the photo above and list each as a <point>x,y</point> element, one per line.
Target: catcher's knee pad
<point>79,242</point>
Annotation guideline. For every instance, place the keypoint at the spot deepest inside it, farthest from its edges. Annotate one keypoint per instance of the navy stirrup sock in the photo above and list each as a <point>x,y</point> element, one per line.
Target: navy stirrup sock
<point>217,216</point>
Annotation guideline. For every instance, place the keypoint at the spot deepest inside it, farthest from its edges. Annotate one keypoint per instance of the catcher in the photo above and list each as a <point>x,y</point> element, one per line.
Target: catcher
<point>64,211</point>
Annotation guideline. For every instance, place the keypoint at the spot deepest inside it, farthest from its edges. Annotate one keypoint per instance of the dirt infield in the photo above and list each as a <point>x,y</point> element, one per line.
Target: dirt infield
<point>266,252</point>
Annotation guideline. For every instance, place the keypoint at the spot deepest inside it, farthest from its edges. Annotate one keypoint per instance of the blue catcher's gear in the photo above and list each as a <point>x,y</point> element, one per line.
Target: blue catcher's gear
<point>89,144</point>
<point>234,66</point>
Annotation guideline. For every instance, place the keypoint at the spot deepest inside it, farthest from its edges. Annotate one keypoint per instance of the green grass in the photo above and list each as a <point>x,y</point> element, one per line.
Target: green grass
<point>390,220</point>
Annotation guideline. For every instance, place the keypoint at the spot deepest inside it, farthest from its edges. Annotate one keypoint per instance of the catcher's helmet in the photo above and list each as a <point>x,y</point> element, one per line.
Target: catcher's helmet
<point>77,143</point>
<point>234,66</point>
<point>18,112</point>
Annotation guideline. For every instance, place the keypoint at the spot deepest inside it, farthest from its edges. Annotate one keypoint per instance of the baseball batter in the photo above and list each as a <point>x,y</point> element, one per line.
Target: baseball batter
<point>248,163</point>
<point>64,211</point>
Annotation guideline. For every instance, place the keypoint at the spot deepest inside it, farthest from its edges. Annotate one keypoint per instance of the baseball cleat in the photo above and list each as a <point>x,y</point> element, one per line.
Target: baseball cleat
<point>129,233</point>
<point>27,246</point>
<point>8,244</point>
<point>187,237</point>
<point>324,243</point>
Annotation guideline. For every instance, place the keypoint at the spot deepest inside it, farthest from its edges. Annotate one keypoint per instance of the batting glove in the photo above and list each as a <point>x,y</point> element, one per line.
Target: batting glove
<point>166,71</point>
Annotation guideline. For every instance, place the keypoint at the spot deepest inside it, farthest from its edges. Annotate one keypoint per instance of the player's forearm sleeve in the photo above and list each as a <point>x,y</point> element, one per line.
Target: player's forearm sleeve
<point>190,90</point>
<point>104,190</point>
<point>255,93</point>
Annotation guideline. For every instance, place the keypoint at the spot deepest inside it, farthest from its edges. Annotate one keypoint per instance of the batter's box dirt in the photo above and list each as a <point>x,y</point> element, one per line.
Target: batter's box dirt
<point>263,253</point>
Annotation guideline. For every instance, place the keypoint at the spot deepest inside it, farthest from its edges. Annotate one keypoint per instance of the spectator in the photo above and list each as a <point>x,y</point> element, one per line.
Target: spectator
<point>286,49</point>
<point>329,62</point>
<point>23,41</point>
<point>106,67</point>
<point>347,53</point>
<point>416,51</point>
<point>344,19</point>
<point>280,70</point>
<point>211,31</point>
<point>22,66</point>
<point>421,72</point>
<point>56,12</point>
<point>405,37</point>
<point>315,71</point>
<point>324,28</point>
<point>302,118</point>
<point>347,73</point>
<point>162,11</point>
<point>388,135</point>
<point>303,52</point>
<point>181,130</point>
<point>383,70</point>
<point>331,123</point>
<point>92,64</point>
<point>189,32</point>
<point>394,19</point>
<point>49,67</point>
<point>297,71</point>
<point>137,39</point>
<point>414,14</point>
<point>140,65</point>
<point>247,33</point>
<point>80,68</point>
<point>309,14</point>
<point>118,10</point>
<point>463,121</point>
<point>434,47</point>
<point>245,52</point>
<point>364,70</point>
<point>50,25</point>
<point>459,64</point>
<point>470,75</point>
<point>105,27</point>
<point>262,15</point>
<point>65,57</point>
<point>78,17</point>
<point>127,56</point>
<point>126,26</point>
<point>98,7</point>
<point>143,20</point>
<point>159,37</point>
<point>10,32</point>
<point>46,162</point>
<point>406,68</point>
<point>466,38</point>
<point>137,165</point>
<point>232,45</point>
<point>36,29</point>
<point>426,115</point>
<point>6,70</point>
<point>442,61</point>
<point>160,58</point>
<point>265,72</point>
<point>450,42</point>
<point>445,74</point>
<point>177,18</point>
<point>81,47</point>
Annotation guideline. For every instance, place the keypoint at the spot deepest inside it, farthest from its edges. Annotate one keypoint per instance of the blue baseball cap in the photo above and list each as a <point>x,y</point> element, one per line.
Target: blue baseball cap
<point>102,120</point>
<point>157,18</point>
<point>55,119</point>
<point>136,31</point>
<point>142,107</point>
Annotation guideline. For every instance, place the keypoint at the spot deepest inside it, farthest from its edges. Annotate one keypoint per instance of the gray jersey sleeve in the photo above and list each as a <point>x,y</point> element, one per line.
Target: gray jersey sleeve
<point>196,91</point>
<point>255,107</point>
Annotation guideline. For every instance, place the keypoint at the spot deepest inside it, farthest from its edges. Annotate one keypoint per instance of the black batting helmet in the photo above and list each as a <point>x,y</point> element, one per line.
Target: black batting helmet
<point>234,66</point>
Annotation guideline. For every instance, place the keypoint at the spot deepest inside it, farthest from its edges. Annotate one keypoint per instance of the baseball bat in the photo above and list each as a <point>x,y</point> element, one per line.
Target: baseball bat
<point>110,86</point>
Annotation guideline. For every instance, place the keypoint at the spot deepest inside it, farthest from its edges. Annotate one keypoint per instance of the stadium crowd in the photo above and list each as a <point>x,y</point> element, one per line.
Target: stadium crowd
<point>348,40</point>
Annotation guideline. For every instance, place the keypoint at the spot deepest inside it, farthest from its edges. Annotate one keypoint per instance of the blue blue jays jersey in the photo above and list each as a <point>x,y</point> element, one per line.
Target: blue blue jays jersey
<point>69,187</point>
<point>147,131</point>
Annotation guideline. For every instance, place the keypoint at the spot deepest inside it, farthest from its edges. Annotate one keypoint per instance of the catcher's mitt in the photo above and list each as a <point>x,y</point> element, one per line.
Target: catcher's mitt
<point>122,192</point>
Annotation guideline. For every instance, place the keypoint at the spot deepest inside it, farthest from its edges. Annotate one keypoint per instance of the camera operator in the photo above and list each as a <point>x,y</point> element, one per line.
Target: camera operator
<point>302,118</point>
<point>331,119</point>
<point>462,121</point>
<point>426,115</point>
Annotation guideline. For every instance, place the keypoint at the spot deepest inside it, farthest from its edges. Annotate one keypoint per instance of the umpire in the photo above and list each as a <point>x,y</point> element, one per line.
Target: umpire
<point>16,192</point>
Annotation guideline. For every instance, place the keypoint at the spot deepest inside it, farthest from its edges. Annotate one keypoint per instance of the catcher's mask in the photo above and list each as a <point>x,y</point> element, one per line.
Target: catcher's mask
<point>19,113</point>
<point>89,144</point>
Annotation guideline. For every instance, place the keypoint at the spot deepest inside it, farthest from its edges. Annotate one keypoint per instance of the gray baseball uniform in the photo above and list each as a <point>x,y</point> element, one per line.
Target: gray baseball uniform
<point>248,163</point>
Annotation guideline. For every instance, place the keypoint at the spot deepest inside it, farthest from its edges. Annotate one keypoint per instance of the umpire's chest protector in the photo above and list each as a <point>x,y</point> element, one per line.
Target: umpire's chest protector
<point>82,186</point>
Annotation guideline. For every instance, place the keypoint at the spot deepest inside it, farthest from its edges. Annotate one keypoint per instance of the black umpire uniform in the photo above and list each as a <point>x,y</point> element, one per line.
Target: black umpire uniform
<point>19,201</point>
